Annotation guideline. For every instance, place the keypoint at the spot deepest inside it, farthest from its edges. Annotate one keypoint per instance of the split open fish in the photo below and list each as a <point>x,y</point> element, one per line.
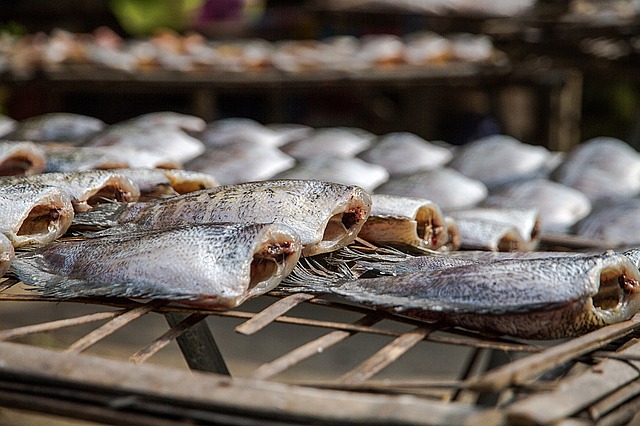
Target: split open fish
<point>615,223</point>
<point>498,229</point>
<point>445,186</point>
<point>34,214</point>
<point>330,141</point>
<point>347,171</point>
<point>57,126</point>
<point>172,143</point>
<point>185,122</point>
<point>404,221</point>
<point>65,159</point>
<point>560,206</point>
<point>156,182</point>
<point>500,159</point>
<point>214,265</point>
<point>7,125</point>
<point>86,188</point>
<point>232,130</point>
<point>241,162</point>
<point>326,215</point>
<point>391,151</point>
<point>541,298</point>
<point>18,158</point>
<point>602,168</point>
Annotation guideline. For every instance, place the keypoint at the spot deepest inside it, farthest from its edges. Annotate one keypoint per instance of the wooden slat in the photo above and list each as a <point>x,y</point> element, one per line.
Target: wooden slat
<point>55,325</point>
<point>385,356</point>
<point>252,399</point>
<point>308,350</point>
<point>109,328</point>
<point>616,399</point>
<point>154,347</point>
<point>576,393</point>
<point>523,370</point>
<point>268,315</point>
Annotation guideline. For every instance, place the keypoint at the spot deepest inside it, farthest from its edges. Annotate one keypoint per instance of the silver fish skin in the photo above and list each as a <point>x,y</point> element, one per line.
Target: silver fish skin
<point>217,266</point>
<point>86,188</point>
<point>139,157</point>
<point>347,171</point>
<point>560,206</point>
<point>602,168</point>
<point>241,162</point>
<point>445,186</point>
<point>19,158</point>
<point>7,125</point>
<point>331,141</point>
<point>173,144</point>
<point>405,153</point>
<point>233,130</point>
<point>66,159</point>
<point>547,298</point>
<point>477,224</point>
<point>34,214</point>
<point>185,122</point>
<point>482,235</point>
<point>326,215</point>
<point>290,132</point>
<point>616,223</point>
<point>57,126</point>
<point>500,159</point>
<point>406,221</point>
<point>156,182</point>
<point>7,253</point>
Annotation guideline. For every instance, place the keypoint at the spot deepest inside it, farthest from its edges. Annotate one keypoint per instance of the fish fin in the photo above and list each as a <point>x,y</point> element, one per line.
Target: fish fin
<point>31,269</point>
<point>100,216</point>
<point>310,276</point>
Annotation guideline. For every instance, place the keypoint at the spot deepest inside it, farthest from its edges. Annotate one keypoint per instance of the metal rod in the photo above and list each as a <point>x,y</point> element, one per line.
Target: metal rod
<point>198,346</point>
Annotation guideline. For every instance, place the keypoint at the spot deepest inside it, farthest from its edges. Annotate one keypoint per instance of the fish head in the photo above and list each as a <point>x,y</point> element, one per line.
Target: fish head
<point>107,188</point>
<point>618,292</point>
<point>344,223</point>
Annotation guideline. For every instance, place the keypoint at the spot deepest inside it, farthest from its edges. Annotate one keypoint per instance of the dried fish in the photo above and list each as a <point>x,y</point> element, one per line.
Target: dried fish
<point>453,240</point>
<point>492,228</point>
<point>7,125</point>
<point>20,158</point>
<point>65,159</point>
<point>156,182</point>
<point>446,187</point>
<point>217,266</point>
<point>347,171</point>
<point>332,141</point>
<point>393,151</point>
<point>173,144</point>
<point>560,206</point>
<point>404,221</point>
<point>33,214</point>
<point>6,254</point>
<point>57,126</point>
<point>500,159</point>
<point>326,215</point>
<point>86,188</point>
<point>542,298</point>
<point>614,223</point>
<point>232,130</point>
<point>188,123</point>
<point>241,162</point>
<point>594,168</point>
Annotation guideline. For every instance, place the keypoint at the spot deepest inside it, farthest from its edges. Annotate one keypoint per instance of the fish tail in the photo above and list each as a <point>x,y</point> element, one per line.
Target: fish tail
<point>310,276</point>
<point>100,216</point>
<point>28,269</point>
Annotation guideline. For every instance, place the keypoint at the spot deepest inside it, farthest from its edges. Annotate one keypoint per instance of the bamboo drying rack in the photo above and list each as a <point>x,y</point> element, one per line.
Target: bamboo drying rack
<point>592,379</point>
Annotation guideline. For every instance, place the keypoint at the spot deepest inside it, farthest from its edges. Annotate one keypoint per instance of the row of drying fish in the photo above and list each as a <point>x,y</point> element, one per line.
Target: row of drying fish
<point>220,246</point>
<point>192,52</point>
<point>572,192</point>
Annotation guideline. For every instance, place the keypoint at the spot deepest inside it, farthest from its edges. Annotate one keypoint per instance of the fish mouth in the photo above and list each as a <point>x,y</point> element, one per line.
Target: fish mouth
<point>43,223</point>
<point>343,226</point>
<point>272,261</point>
<point>510,241</point>
<point>431,227</point>
<point>618,293</point>
<point>113,190</point>
<point>17,165</point>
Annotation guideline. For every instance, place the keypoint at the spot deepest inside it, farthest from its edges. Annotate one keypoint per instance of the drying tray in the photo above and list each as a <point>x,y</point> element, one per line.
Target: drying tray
<point>416,373</point>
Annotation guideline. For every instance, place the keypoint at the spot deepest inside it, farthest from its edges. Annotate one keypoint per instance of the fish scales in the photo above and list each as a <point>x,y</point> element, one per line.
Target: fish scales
<point>326,215</point>
<point>540,298</point>
<point>211,265</point>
